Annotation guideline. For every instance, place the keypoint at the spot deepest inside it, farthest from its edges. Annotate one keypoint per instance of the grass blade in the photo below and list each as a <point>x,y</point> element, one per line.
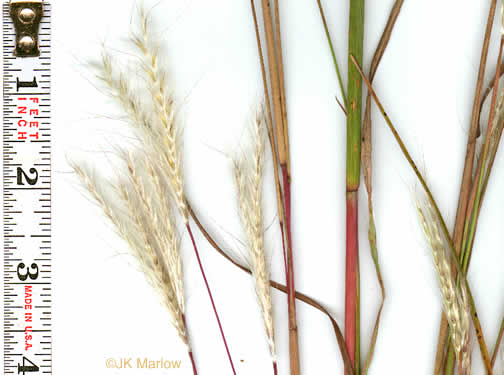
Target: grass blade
<point>333,54</point>
<point>366,162</point>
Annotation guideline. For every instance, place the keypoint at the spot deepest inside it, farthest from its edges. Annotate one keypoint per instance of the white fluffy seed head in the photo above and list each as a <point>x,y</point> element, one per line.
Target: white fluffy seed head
<point>455,298</point>
<point>119,87</point>
<point>142,217</point>
<point>248,172</point>
<point>153,120</point>
<point>164,136</point>
<point>153,181</point>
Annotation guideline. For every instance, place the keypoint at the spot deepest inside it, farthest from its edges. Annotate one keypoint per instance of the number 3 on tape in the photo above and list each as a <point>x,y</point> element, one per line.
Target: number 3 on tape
<point>27,187</point>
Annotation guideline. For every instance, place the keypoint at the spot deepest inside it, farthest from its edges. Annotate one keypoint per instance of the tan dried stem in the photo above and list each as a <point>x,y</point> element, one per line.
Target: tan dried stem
<point>275,81</point>
<point>279,53</point>
<point>271,131</point>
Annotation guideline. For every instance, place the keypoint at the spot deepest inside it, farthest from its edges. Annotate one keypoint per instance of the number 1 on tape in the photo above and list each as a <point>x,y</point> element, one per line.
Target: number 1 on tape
<point>27,187</point>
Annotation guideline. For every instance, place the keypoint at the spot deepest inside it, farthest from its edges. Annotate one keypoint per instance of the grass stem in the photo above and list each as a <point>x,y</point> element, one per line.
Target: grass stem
<point>275,64</point>
<point>354,117</point>
<point>275,81</point>
<point>281,78</point>
<point>188,227</point>
<point>271,132</point>
<point>193,363</point>
<point>498,343</point>
<point>291,291</point>
<point>352,279</point>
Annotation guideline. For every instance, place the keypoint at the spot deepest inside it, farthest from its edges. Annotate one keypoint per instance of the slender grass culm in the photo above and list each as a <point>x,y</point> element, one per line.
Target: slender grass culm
<point>248,173</point>
<point>353,175</point>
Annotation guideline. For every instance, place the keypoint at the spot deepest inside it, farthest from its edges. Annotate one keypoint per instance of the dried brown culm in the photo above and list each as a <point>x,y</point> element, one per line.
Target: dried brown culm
<point>279,123</point>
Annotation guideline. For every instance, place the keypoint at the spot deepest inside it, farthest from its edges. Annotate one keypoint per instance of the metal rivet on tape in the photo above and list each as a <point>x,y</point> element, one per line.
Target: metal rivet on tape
<point>26,16</point>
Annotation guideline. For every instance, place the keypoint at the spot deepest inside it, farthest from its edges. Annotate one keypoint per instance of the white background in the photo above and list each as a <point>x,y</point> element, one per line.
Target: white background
<point>102,306</point>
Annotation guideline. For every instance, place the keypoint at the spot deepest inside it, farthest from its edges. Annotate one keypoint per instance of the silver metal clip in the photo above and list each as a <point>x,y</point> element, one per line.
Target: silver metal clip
<point>26,16</point>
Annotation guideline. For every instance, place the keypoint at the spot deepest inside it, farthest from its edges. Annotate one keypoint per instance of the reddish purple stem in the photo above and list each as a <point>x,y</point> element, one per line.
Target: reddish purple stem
<point>211,297</point>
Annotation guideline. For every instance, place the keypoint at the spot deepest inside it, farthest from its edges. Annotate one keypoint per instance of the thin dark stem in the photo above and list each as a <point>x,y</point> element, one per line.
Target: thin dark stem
<point>211,297</point>
<point>275,368</point>
<point>291,296</point>
<point>193,363</point>
<point>190,352</point>
<point>498,343</point>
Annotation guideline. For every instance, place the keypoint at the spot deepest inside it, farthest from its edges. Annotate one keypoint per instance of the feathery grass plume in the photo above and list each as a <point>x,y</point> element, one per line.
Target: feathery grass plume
<point>454,295</point>
<point>248,171</point>
<point>119,88</point>
<point>157,131</point>
<point>143,220</point>
<point>166,139</point>
<point>161,138</point>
